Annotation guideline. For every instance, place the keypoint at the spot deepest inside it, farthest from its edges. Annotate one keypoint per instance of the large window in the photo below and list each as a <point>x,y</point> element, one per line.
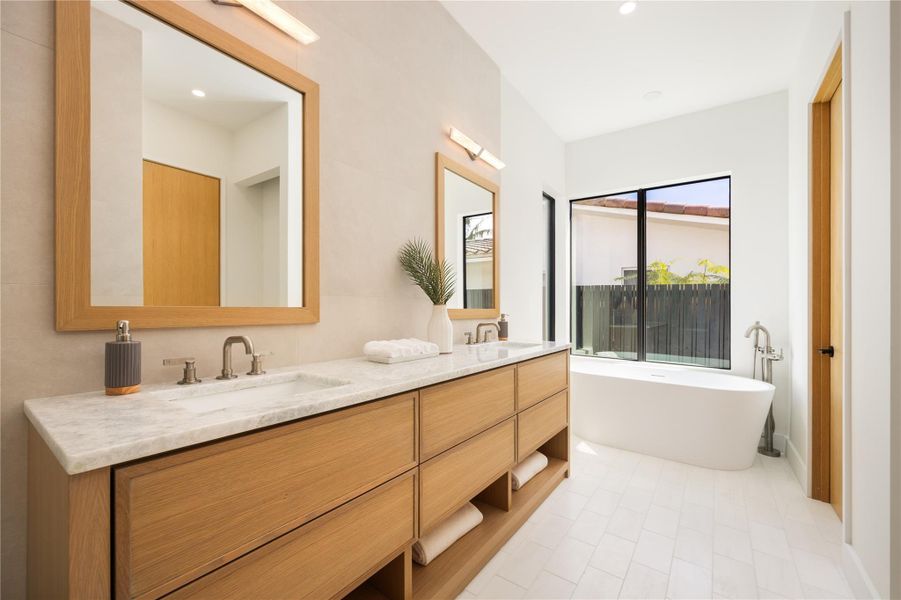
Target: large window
<point>651,274</point>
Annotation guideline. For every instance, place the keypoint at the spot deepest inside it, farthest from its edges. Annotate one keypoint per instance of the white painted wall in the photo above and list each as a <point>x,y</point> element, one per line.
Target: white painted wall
<point>266,149</point>
<point>535,164</point>
<point>748,140</point>
<point>116,252</point>
<point>871,226</point>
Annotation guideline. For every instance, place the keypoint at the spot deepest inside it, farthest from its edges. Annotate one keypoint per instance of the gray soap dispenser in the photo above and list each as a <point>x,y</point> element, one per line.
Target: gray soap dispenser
<point>503,328</point>
<point>123,363</point>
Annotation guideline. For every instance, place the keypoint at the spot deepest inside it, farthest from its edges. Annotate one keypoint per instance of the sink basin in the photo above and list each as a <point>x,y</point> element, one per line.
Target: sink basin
<point>211,400</point>
<point>510,345</point>
<point>488,351</point>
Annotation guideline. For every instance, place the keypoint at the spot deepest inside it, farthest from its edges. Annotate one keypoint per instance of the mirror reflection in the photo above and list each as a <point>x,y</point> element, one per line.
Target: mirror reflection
<point>196,171</point>
<point>469,240</point>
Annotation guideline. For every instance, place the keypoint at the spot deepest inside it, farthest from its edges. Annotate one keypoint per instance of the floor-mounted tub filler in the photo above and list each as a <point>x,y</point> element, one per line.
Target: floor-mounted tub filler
<point>679,413</point>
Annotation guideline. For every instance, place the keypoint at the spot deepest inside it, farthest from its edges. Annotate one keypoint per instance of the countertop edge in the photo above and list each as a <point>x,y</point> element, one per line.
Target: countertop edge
<point>75,463</point>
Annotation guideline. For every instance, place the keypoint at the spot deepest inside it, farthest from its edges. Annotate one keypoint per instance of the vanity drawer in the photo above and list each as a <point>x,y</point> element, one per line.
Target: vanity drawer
<point>452,412</point>
<point>321,559</point>
<point>451,479</point>
<point>540,378</point>
<point>540,423</point>
<point>182,515</point>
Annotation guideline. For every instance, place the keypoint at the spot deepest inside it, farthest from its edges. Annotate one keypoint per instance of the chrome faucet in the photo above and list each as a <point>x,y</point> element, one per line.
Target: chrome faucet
<point>227,372</point>
<point>479,337</point>
<point>768,356</point>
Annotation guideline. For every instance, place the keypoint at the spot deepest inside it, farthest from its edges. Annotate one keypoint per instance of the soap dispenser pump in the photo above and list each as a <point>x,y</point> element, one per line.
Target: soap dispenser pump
<point>503,328</point>
<point>123,363</point>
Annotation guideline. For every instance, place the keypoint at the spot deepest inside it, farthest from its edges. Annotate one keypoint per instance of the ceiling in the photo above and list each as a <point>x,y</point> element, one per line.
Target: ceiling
<point>586,68</point>
<point>174,64</point>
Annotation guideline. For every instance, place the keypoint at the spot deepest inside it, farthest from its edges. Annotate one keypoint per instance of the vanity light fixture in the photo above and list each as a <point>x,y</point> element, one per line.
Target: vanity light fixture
<point>198,93</point>
<point>474,150</point>
<point>628,7</point>
<point>279,17</point>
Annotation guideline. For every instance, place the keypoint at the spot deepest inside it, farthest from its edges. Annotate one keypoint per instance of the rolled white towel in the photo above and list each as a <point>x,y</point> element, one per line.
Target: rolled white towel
<point>399,348</point>
<point>527,469</point>
<point>444,535</point>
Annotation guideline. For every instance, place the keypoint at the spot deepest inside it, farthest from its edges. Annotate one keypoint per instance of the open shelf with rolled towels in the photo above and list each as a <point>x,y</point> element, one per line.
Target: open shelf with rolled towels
<point>451,570</point>
<point>527,469</point>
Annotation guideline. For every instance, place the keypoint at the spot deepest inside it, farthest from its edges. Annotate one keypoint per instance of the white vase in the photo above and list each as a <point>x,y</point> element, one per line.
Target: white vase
<point>441,330</point>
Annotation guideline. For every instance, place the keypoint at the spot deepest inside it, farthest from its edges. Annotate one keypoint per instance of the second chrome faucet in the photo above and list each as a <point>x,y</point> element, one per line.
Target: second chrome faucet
<point>256,366</point>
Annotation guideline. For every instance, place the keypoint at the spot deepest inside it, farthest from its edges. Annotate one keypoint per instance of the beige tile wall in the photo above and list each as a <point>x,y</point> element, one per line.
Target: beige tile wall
<point>393,77</point>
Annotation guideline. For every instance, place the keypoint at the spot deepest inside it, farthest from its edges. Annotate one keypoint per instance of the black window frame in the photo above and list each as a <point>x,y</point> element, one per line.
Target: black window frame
<point>642,266</point>
<point>551,268</point>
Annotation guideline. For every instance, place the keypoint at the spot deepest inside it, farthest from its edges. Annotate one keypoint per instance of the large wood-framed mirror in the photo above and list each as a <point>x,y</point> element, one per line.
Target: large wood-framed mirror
<point>187,173</point>
<point>467,218</point>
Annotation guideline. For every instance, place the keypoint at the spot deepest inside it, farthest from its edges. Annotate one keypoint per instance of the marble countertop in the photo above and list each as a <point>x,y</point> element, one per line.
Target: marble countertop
<point>92,430</point>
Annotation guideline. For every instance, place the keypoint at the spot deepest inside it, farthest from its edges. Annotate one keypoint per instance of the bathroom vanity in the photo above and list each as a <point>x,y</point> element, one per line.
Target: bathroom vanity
<point>309,482</point>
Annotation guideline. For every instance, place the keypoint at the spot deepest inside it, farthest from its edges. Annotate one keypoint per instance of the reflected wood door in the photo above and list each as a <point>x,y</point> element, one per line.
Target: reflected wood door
<point>836,376</point>
<point>181,237</point>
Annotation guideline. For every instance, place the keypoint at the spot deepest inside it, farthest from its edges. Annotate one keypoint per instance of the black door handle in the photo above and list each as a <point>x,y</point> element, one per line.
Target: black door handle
<point>827,351</point>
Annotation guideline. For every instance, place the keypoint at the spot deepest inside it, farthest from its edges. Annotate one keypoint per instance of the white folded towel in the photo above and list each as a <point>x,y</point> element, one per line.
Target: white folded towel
<point>396,349</point>
<point>444,535</point>
<point>527,469</point>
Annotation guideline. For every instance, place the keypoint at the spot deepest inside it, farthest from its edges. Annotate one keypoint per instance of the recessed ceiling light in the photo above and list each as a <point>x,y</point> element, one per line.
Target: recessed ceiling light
<point>198,93</point>
<point>628,7</point>
<point>653,96</point>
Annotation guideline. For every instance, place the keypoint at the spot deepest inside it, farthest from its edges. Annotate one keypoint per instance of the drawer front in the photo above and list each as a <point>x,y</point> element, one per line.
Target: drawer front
<point>321,559</point>
<point>540,378</point>
<point>540,423</point>
<point>455,477</point>
<point>453,412</point>
<point>179,516</point>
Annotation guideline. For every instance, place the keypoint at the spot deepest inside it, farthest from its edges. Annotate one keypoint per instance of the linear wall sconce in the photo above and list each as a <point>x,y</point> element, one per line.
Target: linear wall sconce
<point>279,17</point>
<point>474,150</point>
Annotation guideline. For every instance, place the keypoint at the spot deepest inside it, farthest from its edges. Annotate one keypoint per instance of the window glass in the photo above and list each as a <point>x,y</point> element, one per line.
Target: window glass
<point>604,259</point>
<point>687,298</point>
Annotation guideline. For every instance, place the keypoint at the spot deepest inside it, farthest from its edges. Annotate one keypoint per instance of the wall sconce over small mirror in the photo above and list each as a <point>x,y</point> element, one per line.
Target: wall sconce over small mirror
<point>467,236</point>
<point>474,150</point>
<point>279,17</point>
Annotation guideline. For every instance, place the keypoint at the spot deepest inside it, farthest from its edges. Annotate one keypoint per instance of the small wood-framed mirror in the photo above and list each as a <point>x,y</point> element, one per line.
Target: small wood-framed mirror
<point>467,213</point>
<point>187,173</point>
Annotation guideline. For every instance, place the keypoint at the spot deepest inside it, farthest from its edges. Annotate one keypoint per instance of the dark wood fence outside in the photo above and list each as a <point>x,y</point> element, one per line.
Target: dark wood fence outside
<point>483,298</point>
<point>690,321</point>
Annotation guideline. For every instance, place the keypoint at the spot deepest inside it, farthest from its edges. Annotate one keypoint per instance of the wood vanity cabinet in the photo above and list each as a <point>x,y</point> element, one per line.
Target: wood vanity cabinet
<point>182,515</point>
<point>325,507</point>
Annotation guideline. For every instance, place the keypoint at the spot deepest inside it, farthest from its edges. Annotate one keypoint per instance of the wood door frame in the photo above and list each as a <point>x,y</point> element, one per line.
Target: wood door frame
<point>74,310</point>
<point>820,267</point>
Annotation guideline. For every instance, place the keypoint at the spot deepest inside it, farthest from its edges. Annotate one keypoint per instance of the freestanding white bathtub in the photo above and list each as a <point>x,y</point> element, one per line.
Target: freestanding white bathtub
<point>679,413</point>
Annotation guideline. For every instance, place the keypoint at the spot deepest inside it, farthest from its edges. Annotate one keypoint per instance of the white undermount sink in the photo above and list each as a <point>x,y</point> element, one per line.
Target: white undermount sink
<point>209,401</point>
<point>509,345</point>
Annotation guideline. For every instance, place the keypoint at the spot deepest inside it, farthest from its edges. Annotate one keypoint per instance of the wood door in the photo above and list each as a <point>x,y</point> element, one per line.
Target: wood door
<point>836,375</point>
<point>826,268</point>
<point>181,237</point>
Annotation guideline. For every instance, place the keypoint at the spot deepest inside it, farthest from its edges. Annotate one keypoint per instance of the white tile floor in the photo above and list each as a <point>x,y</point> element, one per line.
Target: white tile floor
<point>627,525</point>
